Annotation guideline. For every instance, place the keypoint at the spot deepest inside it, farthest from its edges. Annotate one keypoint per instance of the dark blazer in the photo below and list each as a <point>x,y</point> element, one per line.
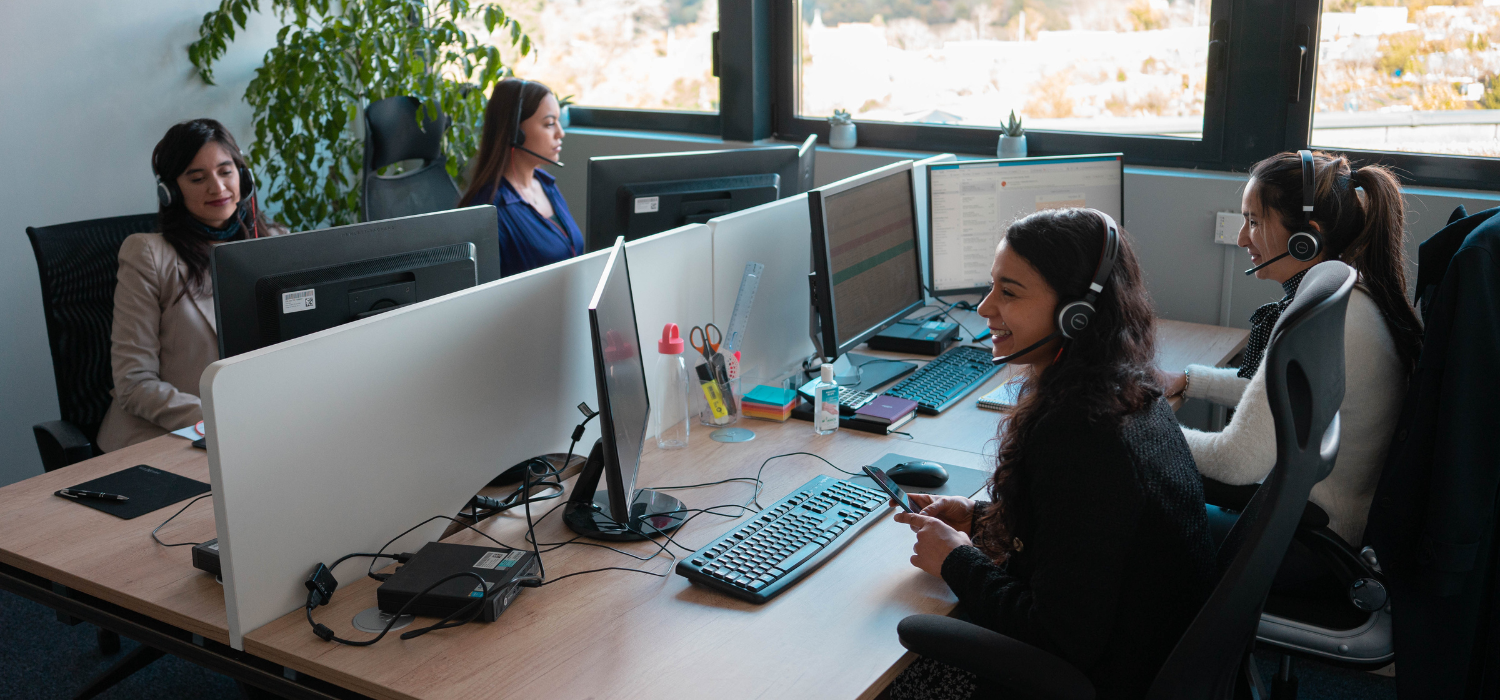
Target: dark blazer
<point>1434,516</point>
<point>1115,560</point>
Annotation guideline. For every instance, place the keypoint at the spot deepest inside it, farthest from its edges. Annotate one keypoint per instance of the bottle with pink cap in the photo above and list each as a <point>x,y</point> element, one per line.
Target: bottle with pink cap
<point>669,411</point>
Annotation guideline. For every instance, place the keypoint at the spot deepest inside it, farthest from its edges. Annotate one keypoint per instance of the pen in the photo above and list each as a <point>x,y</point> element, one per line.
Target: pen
<point>100,495</point>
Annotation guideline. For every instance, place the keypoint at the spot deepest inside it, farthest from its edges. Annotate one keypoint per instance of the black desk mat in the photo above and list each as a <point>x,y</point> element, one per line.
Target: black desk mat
<point>148,489</point>
<point>962,481</point>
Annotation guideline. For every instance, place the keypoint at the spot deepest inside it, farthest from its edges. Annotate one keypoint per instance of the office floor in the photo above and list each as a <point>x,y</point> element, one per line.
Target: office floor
<point>42,659</point>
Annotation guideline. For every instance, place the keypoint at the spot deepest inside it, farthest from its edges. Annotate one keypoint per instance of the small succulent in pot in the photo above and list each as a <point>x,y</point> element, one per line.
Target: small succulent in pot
<point>1013,128</point>
<point>841,130</point>
<point>1012,139</point>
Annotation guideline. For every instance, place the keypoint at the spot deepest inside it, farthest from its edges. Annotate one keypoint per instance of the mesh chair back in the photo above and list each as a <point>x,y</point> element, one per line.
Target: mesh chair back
<point>77,263</point>
<point>391,136</point>
<point>1304,370</point>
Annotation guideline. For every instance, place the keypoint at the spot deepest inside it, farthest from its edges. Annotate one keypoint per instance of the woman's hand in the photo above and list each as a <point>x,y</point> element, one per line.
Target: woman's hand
<point>1173,382</point>
<point>955,511</point>
<point>935,541</point>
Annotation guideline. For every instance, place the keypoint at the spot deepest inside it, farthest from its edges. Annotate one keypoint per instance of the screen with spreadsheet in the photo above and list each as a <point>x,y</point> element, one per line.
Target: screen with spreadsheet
<point>869,245</point>
<point>971,203</point>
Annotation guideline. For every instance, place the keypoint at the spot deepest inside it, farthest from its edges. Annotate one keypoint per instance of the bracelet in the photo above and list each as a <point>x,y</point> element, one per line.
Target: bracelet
<point>1187,380</point>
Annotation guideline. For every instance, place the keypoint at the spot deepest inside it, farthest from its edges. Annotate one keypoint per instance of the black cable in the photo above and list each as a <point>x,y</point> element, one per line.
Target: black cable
<point>174,516</point>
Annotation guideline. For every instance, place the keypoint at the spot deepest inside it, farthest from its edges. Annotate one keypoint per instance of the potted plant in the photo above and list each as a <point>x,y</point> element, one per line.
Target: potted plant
<point>1012,139</point>
<point>841,132</point>
<point>330,61</point>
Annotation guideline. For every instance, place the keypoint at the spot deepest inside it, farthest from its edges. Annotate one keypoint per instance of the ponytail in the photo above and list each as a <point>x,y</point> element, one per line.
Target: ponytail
<point>1379,254</point>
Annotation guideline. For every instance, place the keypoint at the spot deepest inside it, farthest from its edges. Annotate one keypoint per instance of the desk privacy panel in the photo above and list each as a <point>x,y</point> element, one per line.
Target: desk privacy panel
<point>338,441</point>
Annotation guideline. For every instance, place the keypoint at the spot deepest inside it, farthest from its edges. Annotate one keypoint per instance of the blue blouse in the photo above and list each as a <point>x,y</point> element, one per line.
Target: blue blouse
<point>527,239</point>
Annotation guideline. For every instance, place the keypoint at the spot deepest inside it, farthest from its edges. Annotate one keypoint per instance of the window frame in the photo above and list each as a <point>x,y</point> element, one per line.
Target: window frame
<point>1168,151</point>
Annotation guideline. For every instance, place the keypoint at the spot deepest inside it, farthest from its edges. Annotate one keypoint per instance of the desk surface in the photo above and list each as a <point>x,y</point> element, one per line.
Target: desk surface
<point>615,634</point>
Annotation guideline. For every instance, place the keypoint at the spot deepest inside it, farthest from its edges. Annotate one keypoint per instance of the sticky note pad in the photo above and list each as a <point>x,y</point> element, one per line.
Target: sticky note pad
<point>771,396</point>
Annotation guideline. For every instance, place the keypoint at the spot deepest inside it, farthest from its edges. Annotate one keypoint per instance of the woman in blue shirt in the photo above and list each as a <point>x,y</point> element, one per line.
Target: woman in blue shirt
<point>522,130</point>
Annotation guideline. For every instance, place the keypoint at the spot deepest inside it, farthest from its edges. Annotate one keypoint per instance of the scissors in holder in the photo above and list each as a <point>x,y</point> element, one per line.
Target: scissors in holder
<point>706,339</point>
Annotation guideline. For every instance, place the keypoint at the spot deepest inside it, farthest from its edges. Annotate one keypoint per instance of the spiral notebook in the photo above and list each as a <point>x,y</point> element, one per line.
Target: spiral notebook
<point>1003,397</point>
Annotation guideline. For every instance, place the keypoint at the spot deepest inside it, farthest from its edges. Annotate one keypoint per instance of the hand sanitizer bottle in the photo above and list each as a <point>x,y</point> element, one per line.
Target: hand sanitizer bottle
<point>669,414</point>
<point>826,402</point>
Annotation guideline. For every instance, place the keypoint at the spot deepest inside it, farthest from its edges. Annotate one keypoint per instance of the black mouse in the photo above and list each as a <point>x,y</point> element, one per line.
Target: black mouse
<point>919,473</point>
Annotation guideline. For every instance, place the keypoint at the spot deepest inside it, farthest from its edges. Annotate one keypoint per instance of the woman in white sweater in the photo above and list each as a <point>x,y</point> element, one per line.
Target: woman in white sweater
<point>1359,214</point>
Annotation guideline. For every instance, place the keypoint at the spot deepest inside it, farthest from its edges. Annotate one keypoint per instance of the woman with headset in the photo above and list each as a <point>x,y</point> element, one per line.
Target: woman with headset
<point>164,328</point>
<point>1302,208</point>
<point>1094,545</point>
<point>522,130</point>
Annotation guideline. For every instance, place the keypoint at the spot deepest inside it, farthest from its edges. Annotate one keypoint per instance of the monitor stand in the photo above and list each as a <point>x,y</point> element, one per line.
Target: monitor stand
<point>651,513</point>
<point>871,371</point>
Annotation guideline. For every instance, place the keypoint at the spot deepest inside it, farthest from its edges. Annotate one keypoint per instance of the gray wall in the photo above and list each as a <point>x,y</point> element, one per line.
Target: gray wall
<point>89,87</point>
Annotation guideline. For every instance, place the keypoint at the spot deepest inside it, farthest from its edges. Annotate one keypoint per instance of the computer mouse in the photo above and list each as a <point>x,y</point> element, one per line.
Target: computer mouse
<point>918,473</point>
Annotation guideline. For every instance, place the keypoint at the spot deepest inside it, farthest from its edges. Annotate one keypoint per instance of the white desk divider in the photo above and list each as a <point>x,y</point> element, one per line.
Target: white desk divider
<point>919,187</point>
<point>779,236</point>
<point>338,441</point>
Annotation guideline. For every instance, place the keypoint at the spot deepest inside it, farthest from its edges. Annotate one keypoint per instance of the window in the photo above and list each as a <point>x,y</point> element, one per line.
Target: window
<point>1410,76</point>
<point>635,54</point>
<point>1105,66</point>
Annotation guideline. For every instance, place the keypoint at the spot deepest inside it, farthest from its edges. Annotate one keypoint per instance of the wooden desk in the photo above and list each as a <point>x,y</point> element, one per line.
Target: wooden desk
<point>611,634</point>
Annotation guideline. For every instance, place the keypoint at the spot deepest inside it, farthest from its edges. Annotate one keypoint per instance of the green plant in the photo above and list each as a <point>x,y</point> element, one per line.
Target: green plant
<point>1013,127</point>
<point>334,57</point>
<point>840,117</point>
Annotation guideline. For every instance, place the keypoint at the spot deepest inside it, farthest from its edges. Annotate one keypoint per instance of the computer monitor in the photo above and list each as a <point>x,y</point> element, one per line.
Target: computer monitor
<point>971,203</point>
<point>268,290</point>
<point>640,195</point>
<point>866,275</point>
<point>621,511</point>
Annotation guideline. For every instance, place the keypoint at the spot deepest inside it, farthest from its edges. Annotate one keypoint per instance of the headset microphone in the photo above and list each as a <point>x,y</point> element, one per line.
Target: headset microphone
<point>1029,348</point>
<point>549,160</point>
<point>1257,268</point>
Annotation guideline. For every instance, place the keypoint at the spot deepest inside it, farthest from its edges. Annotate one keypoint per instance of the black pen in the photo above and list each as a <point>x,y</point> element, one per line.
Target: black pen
<point>100,495</point>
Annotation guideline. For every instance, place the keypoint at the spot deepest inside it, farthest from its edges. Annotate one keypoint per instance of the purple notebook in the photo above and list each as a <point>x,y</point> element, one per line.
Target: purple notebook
<point>886,409</point>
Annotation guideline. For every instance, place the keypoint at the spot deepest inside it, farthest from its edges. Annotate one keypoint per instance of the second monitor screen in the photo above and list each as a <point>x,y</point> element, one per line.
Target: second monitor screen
<point>872,246</point>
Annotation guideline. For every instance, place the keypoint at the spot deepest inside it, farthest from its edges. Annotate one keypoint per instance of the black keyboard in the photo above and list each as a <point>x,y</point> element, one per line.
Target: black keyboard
<point>946,379</point>
<point>762,556</point>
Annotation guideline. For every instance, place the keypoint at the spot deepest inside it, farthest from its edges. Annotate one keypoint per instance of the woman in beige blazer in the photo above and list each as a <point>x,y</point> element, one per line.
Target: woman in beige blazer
<point>164,331</point>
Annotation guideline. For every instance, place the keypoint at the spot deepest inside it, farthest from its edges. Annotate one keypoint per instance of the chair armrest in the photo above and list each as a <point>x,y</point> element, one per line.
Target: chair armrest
<point>994,657</point>
<point>61,443</point>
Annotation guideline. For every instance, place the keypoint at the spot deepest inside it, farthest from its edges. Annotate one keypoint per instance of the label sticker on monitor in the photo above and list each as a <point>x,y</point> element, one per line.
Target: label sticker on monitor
<point>304,300</point>
<point>646,205</point>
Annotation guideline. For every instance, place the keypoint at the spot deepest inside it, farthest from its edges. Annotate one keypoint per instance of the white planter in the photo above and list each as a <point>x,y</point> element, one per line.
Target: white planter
<point>1011,146</point>
<point>842,135</point>
<point>564,120</point>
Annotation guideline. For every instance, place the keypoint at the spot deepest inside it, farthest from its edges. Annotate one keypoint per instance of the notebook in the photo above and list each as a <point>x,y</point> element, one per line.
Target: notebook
<point>1003,397</point>
<point>886,409</point>
<point>148,489</point>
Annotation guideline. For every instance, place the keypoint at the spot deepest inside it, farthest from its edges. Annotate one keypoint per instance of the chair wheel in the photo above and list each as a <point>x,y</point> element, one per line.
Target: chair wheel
<point>109,642</point>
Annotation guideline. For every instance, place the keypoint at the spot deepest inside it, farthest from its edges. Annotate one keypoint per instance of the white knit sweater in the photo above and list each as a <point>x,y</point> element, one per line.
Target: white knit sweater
<point>1245,451</point>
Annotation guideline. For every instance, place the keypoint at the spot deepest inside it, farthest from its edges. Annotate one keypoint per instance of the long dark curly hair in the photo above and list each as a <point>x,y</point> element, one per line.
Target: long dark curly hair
<point>1105,375</point>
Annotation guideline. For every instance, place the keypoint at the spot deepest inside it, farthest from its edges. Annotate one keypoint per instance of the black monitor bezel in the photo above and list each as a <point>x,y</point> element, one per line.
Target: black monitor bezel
<point>953,165</point>
<point>250,260</point>
<point>620,497</point>
<point>833,346</point>
<point>786,161</point>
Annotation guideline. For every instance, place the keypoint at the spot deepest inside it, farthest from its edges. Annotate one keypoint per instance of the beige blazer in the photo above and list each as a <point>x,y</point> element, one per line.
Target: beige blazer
<point>162,341</point>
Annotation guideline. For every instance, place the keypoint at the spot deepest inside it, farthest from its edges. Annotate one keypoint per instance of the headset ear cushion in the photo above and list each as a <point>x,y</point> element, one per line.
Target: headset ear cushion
<point>247,182</point>
<point>1074,318</point>
<point>1304,246</point>
<point>163,194</point>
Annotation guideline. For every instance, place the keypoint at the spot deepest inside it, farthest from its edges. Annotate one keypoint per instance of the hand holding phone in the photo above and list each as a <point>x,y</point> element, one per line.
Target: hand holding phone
<point>890,487</point>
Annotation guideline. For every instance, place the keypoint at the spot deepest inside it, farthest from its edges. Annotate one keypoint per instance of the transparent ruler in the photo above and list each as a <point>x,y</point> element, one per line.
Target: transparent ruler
<point>742,303</point>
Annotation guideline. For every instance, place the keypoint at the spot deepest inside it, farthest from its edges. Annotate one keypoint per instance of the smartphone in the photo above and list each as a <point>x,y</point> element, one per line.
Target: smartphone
<point>890,487</point>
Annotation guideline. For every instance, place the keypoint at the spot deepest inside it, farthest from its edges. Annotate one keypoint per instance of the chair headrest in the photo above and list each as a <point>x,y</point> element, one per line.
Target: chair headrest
<point>1321,282</point>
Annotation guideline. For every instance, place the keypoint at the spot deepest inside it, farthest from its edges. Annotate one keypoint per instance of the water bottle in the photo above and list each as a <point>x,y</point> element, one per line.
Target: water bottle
<point>826,402</point>
<point>669,414</point>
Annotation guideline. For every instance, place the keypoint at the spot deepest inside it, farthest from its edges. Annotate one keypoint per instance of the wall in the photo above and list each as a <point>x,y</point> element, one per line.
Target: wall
<point>89,86</point>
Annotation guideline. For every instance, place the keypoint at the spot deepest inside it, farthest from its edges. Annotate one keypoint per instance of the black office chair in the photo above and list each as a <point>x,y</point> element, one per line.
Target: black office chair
<point>76,264</point>
<point>1305,385</point>
<point>391,136</point>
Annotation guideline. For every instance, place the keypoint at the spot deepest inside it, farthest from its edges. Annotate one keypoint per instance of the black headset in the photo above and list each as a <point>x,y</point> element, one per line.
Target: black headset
<point>518,138</point>
<point>1075,317</point>
<point>1304,244</point>
<point>167,193</point>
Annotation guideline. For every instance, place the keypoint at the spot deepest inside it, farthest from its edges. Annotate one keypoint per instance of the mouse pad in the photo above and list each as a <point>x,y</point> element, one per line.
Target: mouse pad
<point>147,487</point>
<point>962,481</point>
